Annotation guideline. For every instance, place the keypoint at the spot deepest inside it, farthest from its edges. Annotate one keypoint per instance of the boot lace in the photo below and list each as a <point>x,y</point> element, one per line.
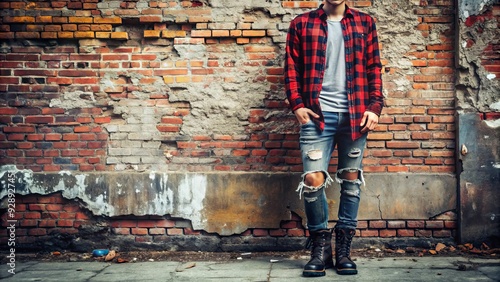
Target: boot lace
<point>316,244</point>
<point>344,238</point>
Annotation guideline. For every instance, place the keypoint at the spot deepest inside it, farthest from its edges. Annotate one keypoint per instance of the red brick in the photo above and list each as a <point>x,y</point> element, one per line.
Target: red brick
<point>36,207</point>
<point>423,233</point>
<point>295,232</point>
<point>31,215</point>
<point>441,233</point>
<point>415,224</point>
<point>19,129</point>
<point>139,231</point>
<point>175,231</point>
<point>65,223</point>
<point>377,224</point>
<point>277,232</point>
<point>396,224</point>
<point>146,223</point>
<point>81,216</point>
<point>37,232</point>
<point>47,223</point>
<point>121,231</point>
<point>438,224</point>
<point>52,215</point>
<point>260,232</point>
<point>157,231</point>
<point>53,207</point>
<point>450,224</point>
<point>405,232</point>
<point>385,233</point>
<point>362,224</point>
<point>369,233</point>
<point>127,223</point>
<point>189,231</point>
<point>39,119</point>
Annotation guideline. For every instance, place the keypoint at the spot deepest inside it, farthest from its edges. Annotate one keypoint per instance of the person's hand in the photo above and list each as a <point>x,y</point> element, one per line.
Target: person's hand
<point>303,115</point>
<point>368,122</point>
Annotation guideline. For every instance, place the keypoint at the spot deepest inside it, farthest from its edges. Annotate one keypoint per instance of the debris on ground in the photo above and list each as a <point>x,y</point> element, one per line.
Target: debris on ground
<point>110,256</point>
<point>118,256</point>
<point>184,266</point>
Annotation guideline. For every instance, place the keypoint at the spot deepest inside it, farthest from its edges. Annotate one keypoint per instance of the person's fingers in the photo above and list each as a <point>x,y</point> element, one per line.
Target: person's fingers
<point>304,115</point>
<point>368,122</point>
<point>363,120</point>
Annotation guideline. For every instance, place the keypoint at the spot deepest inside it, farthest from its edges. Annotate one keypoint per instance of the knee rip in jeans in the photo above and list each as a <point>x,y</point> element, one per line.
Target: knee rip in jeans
<point>360,180</point>
<point>306,189</point>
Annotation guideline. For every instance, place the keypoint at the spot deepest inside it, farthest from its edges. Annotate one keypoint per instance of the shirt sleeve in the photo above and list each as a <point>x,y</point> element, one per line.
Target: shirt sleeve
<point>293,68</point>
<point>374,72</point>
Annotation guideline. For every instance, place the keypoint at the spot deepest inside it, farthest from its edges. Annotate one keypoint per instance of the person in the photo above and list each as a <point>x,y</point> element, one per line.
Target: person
<point>334,87</point>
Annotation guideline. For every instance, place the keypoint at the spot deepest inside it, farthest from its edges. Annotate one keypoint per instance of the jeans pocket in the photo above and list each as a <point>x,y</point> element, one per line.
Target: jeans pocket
<point>309,122</point>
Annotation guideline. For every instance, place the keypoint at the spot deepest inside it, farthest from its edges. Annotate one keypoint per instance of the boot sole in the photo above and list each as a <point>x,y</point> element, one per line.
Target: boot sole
<point>347,271</point>
<point>317,273</point>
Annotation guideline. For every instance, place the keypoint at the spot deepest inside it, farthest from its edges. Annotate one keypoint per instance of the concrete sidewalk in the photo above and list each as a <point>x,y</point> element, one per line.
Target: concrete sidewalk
<point>258,269</point>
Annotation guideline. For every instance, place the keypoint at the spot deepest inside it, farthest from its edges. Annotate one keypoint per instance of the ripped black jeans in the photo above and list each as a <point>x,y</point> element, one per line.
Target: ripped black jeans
<point>317,148</point>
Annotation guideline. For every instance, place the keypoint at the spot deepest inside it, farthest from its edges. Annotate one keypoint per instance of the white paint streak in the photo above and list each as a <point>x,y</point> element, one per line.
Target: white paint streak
<point>491,76</point>
<point>496,165</point>
<point>191,193</point>
<point>495,106</point>
<point>152,175</point>
<point>493,123</point>
<point>163,199</point>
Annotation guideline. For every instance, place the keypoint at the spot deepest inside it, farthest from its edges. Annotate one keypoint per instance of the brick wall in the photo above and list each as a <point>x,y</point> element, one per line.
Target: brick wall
<point>122,86</point>
<point>74,102</point>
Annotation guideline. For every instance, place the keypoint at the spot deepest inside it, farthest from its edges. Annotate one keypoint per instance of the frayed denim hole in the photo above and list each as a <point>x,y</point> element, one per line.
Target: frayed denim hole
<point>354,153</point>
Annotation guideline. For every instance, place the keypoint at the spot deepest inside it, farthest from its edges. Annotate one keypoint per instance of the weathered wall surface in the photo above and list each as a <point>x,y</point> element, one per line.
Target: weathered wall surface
<point>478,119</point>
<point>154,90</point>
<point>197,86</point>
<point>229,204</point>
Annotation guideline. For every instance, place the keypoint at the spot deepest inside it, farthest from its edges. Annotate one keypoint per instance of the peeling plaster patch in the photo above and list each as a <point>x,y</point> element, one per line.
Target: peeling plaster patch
<point>98,206</point>
<point>495,106</point>
<point>73,100</point>
<point>472,7</point>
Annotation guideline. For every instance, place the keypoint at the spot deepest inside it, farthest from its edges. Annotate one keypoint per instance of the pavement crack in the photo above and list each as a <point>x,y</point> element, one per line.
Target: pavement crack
<point>269,273</point>
<point>98,272</point>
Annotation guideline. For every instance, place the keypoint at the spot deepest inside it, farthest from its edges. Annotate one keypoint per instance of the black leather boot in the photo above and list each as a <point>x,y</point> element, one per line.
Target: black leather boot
<point>343,262</point>
<point>320,243</point>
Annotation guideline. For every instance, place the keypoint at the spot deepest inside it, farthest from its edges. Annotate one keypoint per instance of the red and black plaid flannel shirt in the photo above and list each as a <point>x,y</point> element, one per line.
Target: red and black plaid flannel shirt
<point>306,58</point>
